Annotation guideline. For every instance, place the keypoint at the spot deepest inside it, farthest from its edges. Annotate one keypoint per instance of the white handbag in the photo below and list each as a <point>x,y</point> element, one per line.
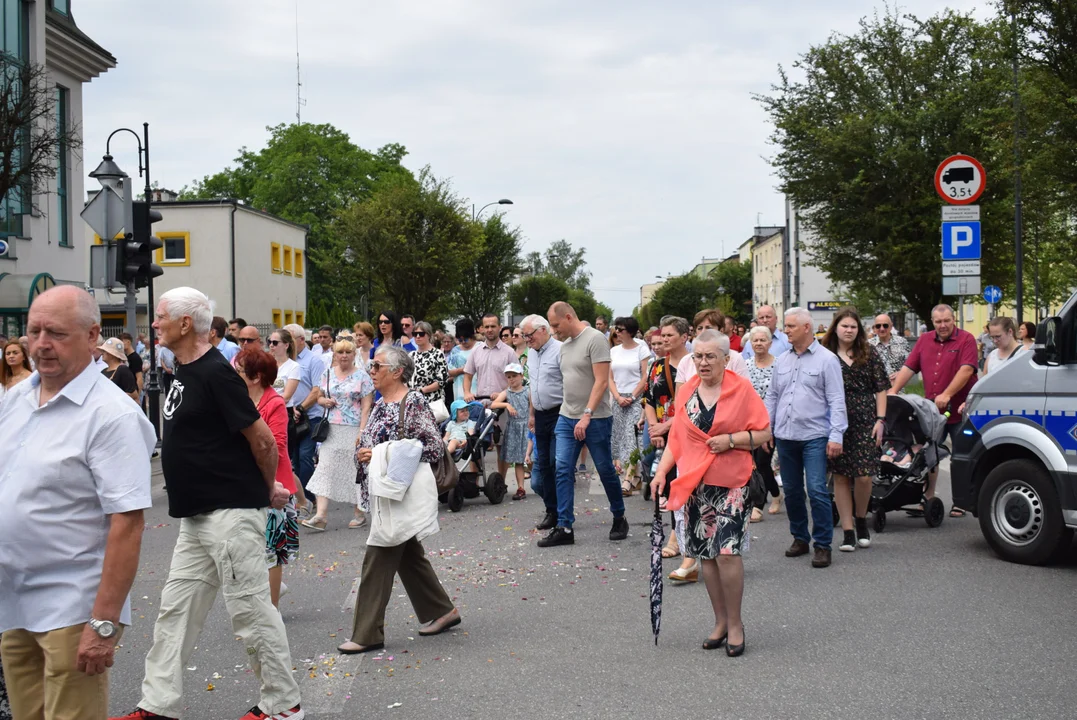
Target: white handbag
<point>441,413</point>
<point>395,521</point>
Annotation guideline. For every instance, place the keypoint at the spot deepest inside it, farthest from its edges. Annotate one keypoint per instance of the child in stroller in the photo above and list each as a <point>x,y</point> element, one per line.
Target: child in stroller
<point>470,459</point>
<point>458,427</point>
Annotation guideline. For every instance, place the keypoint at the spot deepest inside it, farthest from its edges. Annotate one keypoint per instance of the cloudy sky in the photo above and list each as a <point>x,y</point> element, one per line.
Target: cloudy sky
<point>626,127</point>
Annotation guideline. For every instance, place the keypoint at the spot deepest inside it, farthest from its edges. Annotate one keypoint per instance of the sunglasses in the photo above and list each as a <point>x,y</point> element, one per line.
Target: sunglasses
<point>618,329</point>
<point>274,343</point>
<point>376,366</point>
<point>384,322</point>
<point>420,333</point>
<point>881,326</point>
<point>505,336</point>
<point>246,341</point>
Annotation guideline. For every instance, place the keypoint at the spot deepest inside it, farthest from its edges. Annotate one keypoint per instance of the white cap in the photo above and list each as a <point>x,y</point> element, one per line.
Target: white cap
<point>514,368</point>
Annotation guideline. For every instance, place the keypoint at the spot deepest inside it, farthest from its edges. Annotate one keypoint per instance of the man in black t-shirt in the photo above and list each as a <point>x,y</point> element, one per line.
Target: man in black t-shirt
<point>220,461</point>
<point>134,360</point>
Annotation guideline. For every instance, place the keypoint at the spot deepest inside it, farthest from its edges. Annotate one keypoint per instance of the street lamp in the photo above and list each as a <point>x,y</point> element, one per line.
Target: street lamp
<point>109,174</point>
<point>475,215</point>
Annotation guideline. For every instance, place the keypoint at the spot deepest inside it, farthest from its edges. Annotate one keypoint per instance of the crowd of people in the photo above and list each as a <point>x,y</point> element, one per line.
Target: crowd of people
<point>260,435</point>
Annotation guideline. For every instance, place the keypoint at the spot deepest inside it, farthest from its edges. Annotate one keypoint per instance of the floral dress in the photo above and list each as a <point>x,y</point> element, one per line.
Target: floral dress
<point>383,426</point>
<point>859,454</point>
<point>430,367</point>
<point>333,475</point>
<point>716,517</point>
<point>760,377</point>
<point>659,393</point>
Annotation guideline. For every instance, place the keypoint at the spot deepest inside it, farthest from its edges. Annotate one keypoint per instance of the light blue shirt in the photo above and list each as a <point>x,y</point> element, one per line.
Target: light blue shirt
<point>67,466</point>
<point>806,398</point>
<point>544,369</point>
<point>779,343</point>
<point>166,358</point>
<point>311,369</point>
<point>228,348</point>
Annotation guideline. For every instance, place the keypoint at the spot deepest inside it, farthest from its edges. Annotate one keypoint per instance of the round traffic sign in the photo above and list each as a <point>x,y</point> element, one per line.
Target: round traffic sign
<point>960,179</point>
<point>3,247</point>
<point>992,294</point>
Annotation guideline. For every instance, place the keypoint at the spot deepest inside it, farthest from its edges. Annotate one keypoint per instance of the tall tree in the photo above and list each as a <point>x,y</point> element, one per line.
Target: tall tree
<point>484,283</point>
<point>417,239</point>
<point>683,296</point>
<point>860,136</point>
<point>567,263</point>
<point>733,285</point>
<point>308,174</point>
<point>536,293</point>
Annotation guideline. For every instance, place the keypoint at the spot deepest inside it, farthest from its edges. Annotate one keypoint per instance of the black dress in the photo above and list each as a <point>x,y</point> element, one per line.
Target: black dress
<point>859,453</point>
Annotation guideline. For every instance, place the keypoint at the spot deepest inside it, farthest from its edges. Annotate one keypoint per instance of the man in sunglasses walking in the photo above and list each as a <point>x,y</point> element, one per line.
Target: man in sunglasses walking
<point>893,349</point>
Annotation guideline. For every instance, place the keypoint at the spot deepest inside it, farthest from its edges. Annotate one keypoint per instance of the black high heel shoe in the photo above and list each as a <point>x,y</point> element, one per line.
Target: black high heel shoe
<point>735,650</point>
<point>710,644</point>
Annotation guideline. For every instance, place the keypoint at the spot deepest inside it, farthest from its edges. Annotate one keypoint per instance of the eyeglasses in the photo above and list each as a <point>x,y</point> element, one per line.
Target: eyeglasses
<point>376,366</point>
<point>528,336</point>
<point>618,329</point>
<point>420,333</point>
<point>384,322</point>
<point>996,338</point>
<point>506,336</point>
<point>246,341</point>
<point>881,326</point>
<point>274,343</point>
<point>709,357</point>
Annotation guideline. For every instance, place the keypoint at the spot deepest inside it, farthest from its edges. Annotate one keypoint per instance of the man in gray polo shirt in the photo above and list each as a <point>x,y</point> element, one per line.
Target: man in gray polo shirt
<point>586,418</point>
<point>544,365</point>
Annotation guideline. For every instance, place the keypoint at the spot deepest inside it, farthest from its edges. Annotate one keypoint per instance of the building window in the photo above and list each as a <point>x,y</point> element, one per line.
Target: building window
<point>287,260</point>
<point>298,266</point>
<point>274,257</point>
<point>289,316</point>
<point>63,205</point>
<point>15,45</point>
<point>276,318</point>
<point>176,249</point>
<point>61,6</point>
<point>300,317</point>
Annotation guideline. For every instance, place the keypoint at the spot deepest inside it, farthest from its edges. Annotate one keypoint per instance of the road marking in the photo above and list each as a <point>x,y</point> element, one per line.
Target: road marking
<point>326,684</point>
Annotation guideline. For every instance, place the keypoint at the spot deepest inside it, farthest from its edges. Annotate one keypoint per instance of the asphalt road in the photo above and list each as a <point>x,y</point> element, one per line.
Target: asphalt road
<point>927,623</point>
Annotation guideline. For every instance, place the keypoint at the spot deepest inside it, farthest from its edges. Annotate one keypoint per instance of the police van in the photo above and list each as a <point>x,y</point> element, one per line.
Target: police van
<point>1014,461</point>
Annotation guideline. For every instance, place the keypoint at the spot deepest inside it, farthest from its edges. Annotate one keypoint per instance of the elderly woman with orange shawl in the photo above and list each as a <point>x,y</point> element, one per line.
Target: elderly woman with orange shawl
<point>719,418</point>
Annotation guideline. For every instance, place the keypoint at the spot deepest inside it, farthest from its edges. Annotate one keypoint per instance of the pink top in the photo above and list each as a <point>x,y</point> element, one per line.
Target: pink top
<point>486,365</point>
<point>686,368</point>
<point>271,408</point>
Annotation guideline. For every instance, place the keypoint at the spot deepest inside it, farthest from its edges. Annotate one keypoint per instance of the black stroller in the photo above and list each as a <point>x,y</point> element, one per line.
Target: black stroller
<point>911,450</point>
<point>470,462</point>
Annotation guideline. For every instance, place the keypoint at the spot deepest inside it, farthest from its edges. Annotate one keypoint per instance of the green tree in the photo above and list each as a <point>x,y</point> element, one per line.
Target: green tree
<point>684,296</point>
<point>860,136</point>
<point>567,263</point>
<point>417,239</point>
<point>535,294</point>
<point>735,278</point>
<point>484,283</point>
<point>308,174</point>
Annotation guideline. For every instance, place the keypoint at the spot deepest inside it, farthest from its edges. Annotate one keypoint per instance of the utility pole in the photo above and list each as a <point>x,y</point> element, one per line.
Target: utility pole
<point>1017,244</point>
<point>153,381</point>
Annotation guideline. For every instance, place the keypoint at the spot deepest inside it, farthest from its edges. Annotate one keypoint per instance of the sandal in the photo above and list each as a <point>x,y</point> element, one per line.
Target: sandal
<point>775,505</point>
<point>357,522</point>
<point>672,549</point>
<point>757,515</point>
<point>520,494</point>
<point>956,512</point>
<point>314,523</point>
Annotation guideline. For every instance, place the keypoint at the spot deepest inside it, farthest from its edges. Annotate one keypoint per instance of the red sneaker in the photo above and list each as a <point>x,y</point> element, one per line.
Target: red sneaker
<point>140,714</point>
<point>295,713</point>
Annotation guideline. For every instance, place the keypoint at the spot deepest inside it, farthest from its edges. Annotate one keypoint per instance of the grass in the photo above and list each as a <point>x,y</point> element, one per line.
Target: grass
<point>915,387</point>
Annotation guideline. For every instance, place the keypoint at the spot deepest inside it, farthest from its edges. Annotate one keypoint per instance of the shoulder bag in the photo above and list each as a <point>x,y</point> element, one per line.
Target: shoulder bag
<point>322,433</point>
<point>757,487</point>
<point>445,473</point>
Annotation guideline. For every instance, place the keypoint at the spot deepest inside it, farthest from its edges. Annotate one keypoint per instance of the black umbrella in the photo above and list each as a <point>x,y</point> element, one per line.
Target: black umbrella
<point>658,537</point>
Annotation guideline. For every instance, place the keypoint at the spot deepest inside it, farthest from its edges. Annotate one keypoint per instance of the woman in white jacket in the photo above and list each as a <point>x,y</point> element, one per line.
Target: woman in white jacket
<point>391,370</point>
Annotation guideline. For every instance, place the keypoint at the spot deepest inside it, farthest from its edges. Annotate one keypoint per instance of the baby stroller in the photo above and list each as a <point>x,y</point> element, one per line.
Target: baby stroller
<point>470,462</point>
<point>911,450</point>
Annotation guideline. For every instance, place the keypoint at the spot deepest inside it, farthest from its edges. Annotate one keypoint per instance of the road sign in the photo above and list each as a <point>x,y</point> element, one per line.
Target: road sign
<point>961,240</point>
<point>961,285</point>
<point>960,179</point>
<point>960,213</point>
<point>3,247</point>
<point>992,294</point>
<point>960,267</point>
<point>105,213</point>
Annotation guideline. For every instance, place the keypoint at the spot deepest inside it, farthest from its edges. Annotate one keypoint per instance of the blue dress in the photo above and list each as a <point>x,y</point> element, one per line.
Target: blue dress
<point>514,444</point>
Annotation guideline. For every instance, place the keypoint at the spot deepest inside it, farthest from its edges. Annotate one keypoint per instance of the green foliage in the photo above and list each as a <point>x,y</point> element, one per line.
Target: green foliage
<point>483,285</point>
<point>533,295</point>
<point>604,310</point>
<point>562,261</point>
<point>683,296</point>
<point>416,239</point>
<point>736,279</point>
<point>322,312</point>
<point>308,174</point>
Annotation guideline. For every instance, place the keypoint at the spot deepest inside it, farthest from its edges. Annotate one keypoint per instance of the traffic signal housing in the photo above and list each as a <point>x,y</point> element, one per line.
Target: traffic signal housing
<point>134,256</point>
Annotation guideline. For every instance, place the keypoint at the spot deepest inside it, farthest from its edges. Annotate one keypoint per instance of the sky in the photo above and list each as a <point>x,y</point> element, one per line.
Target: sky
<point>623,126</point>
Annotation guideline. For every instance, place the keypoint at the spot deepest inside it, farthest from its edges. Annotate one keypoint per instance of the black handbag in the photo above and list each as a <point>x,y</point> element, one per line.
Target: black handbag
<point>321,434</point>
<point>757,487</point>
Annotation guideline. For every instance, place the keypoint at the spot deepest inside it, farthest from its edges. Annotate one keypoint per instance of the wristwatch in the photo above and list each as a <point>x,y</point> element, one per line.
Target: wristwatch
<point>587,411</point>
<point>104,628</point>
<point>732,444</point>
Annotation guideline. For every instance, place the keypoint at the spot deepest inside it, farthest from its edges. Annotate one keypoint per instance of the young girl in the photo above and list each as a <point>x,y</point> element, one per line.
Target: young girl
<point>517,403</point>
<point>461,425</point>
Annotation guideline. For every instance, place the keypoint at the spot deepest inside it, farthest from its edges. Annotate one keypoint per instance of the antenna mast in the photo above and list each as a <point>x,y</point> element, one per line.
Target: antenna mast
<point>299,101</point>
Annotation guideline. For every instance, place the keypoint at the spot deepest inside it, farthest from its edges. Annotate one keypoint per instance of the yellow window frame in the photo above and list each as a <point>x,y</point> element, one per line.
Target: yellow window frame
<point>298,268</point>
<point>186,237</point>
<point>288,315</point>
<point>276,318</point>
<point>287,260</point>
<point>274,257</point>
<point>300,318</point>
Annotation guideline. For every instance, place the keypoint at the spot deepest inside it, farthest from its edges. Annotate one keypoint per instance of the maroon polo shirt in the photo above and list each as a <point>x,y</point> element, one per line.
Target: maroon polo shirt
<point>939,360</point>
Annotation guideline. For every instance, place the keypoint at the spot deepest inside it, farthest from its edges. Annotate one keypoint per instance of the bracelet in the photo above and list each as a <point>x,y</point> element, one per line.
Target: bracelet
<point>880,419</point>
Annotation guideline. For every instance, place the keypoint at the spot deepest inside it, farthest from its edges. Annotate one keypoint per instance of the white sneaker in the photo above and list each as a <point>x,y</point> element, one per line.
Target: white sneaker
<point>283,588</point>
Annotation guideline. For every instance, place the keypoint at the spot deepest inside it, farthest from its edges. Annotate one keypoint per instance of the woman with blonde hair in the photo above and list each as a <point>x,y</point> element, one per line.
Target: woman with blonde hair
<point>347,394</point>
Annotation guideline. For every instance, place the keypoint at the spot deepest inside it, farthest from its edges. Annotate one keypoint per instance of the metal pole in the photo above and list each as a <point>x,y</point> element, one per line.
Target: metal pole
<point>961,311</point>
<point>153,384</point>
<point>1018,261</point>
<point>129,300</point>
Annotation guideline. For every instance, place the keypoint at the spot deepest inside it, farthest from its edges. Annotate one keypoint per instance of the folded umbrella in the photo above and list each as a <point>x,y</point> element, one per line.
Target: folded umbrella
<point>658,537</point>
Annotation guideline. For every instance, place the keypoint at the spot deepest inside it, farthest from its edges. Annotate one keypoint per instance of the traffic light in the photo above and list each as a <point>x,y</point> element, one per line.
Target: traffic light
<point>134,253</point>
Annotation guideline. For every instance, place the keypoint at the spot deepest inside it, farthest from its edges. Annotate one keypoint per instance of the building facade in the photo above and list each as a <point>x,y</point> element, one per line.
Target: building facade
<point>810,287</point>
<point>42,239</point>
<point>250,263</point>
<point>768,269</point>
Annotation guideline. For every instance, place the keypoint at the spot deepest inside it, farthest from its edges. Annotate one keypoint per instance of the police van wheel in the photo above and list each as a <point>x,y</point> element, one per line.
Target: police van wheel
<point>1020,514</point>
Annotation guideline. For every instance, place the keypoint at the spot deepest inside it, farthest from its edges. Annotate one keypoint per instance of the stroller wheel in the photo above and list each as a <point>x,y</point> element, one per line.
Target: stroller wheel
<point>456,500</point>
<point>878,522</point>
<point>495,488</point>
<point>934,512</point>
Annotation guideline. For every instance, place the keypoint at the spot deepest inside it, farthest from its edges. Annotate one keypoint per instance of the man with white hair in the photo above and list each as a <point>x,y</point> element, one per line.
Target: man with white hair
<point>75,481</point>
<point>780,342</point>
<point>547,392</point>
<point>806,403</point>
<point>220,463</point>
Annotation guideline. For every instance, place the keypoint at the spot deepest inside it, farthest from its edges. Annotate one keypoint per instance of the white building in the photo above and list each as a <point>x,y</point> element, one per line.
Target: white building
<point>768,269</point>
<point>809,287</point>
<point>251,264</point>
<point>44,237</point>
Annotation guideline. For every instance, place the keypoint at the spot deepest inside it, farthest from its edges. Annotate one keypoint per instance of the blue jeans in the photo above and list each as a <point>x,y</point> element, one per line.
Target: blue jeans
<point>306,457</point>
<point>805,460</point>
<point>568,452</point>
<point>543,474</point>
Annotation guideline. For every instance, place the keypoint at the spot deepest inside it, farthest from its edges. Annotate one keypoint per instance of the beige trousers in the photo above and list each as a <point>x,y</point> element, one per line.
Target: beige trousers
<point>222,549</point>
<point>43,679</point>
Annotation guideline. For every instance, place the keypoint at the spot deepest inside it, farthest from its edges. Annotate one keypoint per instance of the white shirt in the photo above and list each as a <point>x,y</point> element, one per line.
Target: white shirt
<point>67,466</point>
<point>288,370</point>
<point>686,368</point>
<point>995,360</point>
<point>100,364</point>
<point>625,366</point>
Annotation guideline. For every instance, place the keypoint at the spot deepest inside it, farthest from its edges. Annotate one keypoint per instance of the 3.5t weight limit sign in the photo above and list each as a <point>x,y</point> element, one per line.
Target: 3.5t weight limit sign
<point>960,179</point>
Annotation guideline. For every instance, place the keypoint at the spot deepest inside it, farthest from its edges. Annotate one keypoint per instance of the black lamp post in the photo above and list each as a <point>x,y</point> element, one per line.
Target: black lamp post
<point>475,215</point>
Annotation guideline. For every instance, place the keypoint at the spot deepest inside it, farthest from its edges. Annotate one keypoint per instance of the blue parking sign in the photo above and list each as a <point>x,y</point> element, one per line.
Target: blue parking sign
<point>961,240</point>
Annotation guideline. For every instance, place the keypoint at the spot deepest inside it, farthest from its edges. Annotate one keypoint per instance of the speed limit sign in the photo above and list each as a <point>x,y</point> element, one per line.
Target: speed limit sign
<point>960,179</point>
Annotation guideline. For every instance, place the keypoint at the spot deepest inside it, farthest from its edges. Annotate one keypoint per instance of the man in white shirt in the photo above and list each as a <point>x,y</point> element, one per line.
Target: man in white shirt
<point>75,481</point>
<point>780,342</point>
<point>323,342</point>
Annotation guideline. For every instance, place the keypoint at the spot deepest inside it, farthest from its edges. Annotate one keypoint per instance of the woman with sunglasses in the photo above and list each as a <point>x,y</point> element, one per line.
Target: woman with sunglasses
<point>628,383</point>
<point>431,371</point>
<point>390,332</point>
<point>282,348</point>
<point>519,344</point>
